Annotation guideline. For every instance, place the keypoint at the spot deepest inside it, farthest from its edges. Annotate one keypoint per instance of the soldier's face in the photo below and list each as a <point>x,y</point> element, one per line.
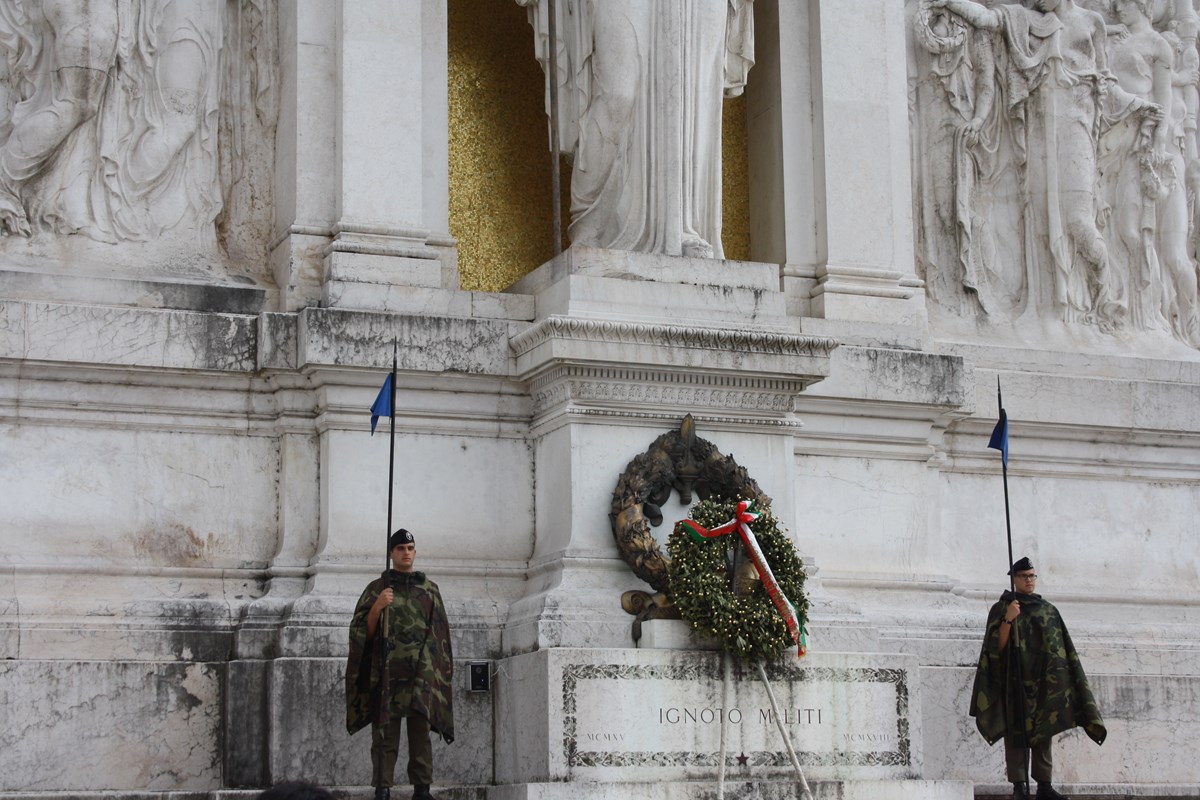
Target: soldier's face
<point>1025,581</point>
<point>403,556</point>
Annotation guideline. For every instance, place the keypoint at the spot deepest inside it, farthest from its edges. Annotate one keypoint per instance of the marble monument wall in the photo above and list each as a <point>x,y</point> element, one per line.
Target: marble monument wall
<point>208,251</point>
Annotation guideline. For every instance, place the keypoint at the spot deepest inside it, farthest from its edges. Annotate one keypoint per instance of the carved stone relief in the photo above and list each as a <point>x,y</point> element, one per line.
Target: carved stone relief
<point>1055,163</point>
<point>138,121</point>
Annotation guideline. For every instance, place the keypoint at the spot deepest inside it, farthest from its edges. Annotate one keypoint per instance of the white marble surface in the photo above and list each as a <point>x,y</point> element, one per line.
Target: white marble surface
<point>127,337</point>
<point>188,477</point>
<point>74,726</point>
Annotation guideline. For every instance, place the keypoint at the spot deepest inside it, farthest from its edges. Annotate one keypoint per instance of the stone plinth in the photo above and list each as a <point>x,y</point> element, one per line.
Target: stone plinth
<point>588,283</point>
<point>592,715</point>
<point>736,788</point>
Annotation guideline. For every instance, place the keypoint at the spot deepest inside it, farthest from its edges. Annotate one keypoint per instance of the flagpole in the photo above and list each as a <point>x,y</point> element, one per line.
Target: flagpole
<point>1012,581</point>
<point>392,459</point>
<point>1014,640</point>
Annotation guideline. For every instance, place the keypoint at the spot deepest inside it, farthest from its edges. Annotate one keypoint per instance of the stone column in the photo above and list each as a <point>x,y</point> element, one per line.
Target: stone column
<point>829,160</point>
<point>389,158</point>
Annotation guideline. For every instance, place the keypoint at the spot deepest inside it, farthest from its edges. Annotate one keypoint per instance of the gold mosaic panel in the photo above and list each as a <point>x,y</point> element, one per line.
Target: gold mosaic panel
<point>735,181</point>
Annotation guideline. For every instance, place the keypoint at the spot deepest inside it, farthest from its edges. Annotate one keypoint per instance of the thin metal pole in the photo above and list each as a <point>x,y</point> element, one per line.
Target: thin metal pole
<point>1014,639</point>
<point>555,188</point>
<point>805,791</point>
<point>726,669</point>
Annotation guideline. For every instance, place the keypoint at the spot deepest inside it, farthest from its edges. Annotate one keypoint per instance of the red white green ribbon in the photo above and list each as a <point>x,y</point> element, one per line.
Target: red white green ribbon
<point>746,514</point>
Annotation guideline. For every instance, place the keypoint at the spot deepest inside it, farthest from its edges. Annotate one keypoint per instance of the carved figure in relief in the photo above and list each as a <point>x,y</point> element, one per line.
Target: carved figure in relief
<point>1182,32</point>
<point>977,156</point>
<point>640,91</point>
<point>59,56</point>
<point>1147,190</point>
<point>112,124</point>
<point>941,99</point>
<point>1059,98</point>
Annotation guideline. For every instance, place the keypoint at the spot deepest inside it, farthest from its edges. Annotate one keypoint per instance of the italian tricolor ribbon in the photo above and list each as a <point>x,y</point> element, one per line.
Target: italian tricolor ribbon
<point>746,513</point>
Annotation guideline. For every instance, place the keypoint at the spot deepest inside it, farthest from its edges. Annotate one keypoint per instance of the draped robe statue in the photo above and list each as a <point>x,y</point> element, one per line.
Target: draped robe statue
<point>641,86</point>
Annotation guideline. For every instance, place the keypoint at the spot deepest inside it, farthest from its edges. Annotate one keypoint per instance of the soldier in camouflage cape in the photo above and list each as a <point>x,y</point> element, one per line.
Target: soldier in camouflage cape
<point>1057,695</point>
<point>402,672</point>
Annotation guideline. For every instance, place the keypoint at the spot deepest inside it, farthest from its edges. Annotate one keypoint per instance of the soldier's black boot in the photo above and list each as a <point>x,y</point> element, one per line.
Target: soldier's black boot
<point>1046,792</point>
<point>421,792</point>
<point>383,793</point>
<point>1020,791</point>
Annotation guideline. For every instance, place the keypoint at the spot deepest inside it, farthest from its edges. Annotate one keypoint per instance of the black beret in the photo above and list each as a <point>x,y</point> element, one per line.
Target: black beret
<point>1021,565</point>
<point>400,537</point>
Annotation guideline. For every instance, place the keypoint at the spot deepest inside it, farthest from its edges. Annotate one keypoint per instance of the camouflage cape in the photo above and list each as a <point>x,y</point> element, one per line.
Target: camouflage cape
<point>1057,696</point>
<point>414,660</point>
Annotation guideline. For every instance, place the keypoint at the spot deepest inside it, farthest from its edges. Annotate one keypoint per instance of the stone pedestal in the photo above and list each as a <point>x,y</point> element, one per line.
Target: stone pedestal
<point>622,347</point>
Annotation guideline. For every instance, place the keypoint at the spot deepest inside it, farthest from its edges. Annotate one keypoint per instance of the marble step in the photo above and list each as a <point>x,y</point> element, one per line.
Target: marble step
<point>679,790</point>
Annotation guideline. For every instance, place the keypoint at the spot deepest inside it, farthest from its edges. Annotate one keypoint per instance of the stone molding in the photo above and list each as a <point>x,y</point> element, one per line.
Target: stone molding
<point>709,421</point>
<point>380,241</point>
<point>624,387</point>
<point>865,281</point>
<point>771,343</point>
<point>300,229</point>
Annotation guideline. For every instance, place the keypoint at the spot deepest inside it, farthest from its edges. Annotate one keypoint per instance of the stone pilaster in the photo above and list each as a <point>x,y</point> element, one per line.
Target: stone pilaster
<point>829,161</point>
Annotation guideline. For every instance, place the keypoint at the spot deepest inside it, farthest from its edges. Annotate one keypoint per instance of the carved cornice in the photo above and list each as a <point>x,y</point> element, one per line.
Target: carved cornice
<point>658,395</point>
<point>768,342</point>
<point>709,420</point>
<point>621,389</point>
<point>641,375</point>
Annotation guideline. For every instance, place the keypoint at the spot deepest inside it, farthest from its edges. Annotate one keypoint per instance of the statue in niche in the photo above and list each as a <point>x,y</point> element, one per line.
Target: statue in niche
<point>640,87</point>
<point>1060,96</point>
<point>112,123</point>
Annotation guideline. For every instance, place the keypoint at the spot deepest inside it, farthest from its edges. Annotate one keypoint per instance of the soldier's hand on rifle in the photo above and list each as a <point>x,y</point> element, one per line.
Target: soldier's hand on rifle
<point>1013,611</point>
<point>381,602</point>
<point>385,599</point>
<point>1006,622</point>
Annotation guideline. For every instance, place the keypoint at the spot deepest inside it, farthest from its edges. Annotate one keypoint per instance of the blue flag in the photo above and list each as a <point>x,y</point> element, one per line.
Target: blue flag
<point>382,407</point>
<point>999,440</point>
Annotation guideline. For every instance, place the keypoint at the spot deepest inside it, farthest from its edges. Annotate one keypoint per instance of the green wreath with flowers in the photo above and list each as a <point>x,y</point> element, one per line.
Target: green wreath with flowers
<point>745,620</point>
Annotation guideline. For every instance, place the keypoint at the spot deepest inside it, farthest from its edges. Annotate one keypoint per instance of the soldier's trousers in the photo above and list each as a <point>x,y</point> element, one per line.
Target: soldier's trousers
<point>1041,764</point>
<point>385,749</point>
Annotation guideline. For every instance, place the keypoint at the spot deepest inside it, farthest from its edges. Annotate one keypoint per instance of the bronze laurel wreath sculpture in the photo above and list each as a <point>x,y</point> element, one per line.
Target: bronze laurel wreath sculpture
<point>678,461</point>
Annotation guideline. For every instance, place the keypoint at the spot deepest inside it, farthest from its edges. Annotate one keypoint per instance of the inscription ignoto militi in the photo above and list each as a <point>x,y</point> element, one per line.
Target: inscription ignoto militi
<point>708,716</point>
<point>664,716</point>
